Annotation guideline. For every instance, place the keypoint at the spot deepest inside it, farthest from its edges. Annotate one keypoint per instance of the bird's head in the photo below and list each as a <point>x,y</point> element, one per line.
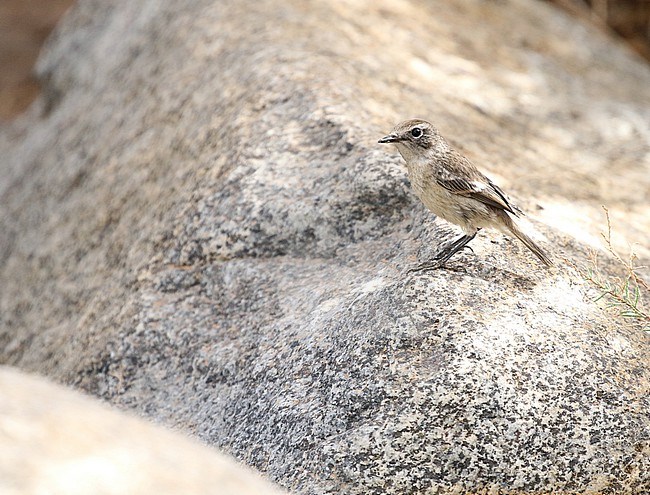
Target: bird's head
<point>413,138</point>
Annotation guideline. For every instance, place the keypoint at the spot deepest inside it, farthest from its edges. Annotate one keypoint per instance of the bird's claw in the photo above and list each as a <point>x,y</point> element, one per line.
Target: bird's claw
<point>425,267</point>
<point>436,262</point>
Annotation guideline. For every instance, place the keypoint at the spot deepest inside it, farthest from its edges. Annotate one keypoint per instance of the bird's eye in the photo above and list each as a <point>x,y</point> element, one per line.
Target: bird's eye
<point>416,132</point>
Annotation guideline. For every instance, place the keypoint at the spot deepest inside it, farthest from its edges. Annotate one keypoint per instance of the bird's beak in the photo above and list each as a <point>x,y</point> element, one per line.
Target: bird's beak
<point>391,138</point>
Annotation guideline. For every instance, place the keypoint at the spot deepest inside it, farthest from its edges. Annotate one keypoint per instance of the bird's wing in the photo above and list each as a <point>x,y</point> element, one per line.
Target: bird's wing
<point>474,184</point>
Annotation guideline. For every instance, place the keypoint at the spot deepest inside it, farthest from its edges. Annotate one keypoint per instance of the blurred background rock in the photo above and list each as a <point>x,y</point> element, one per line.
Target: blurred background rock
<point>627,18</point>
<point>25,24</point>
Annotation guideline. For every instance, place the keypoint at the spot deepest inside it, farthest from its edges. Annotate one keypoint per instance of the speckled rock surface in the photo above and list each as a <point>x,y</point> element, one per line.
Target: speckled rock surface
<point>198,225</point>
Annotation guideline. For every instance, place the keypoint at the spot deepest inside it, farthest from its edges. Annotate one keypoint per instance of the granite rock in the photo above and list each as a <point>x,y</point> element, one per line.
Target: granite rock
<point>199,225</point>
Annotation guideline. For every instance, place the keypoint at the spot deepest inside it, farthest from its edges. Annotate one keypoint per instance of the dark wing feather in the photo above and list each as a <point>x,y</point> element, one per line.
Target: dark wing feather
<point>510,207</point>
<point>466,180</point>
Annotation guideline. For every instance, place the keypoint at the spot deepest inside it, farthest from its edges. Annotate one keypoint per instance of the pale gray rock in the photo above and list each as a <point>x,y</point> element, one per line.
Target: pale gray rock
<point>199,225</point>
<point>57,442</point>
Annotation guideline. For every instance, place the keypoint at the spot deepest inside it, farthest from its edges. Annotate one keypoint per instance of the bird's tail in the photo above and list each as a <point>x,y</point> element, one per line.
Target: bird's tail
<point>527,241</point>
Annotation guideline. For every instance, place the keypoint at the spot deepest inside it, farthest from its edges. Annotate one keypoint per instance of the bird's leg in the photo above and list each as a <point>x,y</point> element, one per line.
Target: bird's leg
<point>443,255</point>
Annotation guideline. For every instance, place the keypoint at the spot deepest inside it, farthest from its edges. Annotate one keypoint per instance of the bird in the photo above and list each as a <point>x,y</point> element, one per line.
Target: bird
<point>451,186</point>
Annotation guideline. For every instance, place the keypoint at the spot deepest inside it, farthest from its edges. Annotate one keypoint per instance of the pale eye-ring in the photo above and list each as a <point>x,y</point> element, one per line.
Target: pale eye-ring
<point>416,132</point>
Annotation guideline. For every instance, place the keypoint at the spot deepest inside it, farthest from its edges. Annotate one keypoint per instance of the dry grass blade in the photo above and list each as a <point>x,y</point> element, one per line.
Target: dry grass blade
<point>625,294</point>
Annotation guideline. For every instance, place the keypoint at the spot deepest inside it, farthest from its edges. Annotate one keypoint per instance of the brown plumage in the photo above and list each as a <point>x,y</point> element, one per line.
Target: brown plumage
<point>454,189</point>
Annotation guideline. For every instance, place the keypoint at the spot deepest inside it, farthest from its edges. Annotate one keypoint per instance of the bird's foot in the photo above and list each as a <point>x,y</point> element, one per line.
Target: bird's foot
<point>438,261</point>
<point>442,256</point>
<point>426,266</point>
